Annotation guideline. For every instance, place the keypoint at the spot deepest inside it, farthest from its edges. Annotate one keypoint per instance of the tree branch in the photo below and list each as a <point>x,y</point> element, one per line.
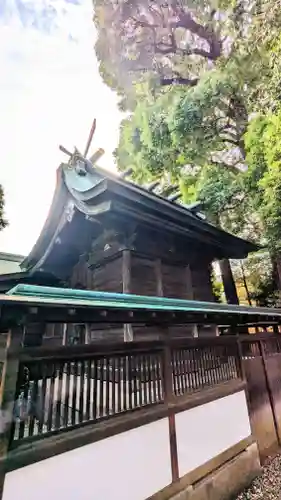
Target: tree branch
<point>231,141</point>
<point>233,168</point>
<point>172,49</point>
<point>184,20</point>
<point>177,80</point>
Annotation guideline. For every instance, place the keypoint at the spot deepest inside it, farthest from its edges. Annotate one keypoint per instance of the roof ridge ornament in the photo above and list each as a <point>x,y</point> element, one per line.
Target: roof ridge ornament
<point>78,161</point>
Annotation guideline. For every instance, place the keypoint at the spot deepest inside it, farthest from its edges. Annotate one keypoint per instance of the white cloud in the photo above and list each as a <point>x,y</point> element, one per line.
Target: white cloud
<point>50,91</point>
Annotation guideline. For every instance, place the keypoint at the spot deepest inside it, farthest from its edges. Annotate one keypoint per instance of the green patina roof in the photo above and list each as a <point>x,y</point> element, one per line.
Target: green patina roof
<point>92,299</point>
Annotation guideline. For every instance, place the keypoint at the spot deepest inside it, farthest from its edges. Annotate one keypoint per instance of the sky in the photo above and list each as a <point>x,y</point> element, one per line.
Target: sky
<point>50,91</point>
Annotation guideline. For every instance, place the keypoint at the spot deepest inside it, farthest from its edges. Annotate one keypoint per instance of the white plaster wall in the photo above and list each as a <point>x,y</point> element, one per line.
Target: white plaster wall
<point>8,266</point>
<point>129,466</point>
<point>208,430</point>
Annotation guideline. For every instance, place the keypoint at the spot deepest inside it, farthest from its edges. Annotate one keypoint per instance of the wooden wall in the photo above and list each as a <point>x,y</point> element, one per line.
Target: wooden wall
<point>106,277</point>
<point>148,276</point>
<point>143,263</point>
<point>201,281</point>
<point>143,276</point>
<point>160,278</point>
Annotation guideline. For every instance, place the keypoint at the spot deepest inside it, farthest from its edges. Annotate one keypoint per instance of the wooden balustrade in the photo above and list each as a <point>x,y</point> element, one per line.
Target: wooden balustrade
<point>68,387</point>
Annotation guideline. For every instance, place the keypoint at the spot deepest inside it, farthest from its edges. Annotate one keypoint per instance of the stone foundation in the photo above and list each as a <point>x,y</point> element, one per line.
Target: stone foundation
<point>227,481</point>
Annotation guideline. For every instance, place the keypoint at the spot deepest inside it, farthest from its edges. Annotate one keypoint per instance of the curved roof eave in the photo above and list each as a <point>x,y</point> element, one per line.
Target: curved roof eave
<point>83,189</point>
<point>54,216</point>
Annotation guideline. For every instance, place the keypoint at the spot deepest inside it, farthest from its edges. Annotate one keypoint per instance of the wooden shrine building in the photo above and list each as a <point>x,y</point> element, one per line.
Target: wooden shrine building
<point>105,233</point>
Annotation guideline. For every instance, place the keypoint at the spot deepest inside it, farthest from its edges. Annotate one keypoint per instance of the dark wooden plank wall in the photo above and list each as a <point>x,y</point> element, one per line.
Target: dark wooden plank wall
<point>166,272</point>
<point>175,281</point>
<point>110,333</point>
<point>184,272</point>
<point>81,276</point>
<point>201,281</point>
<point>143,276</point>
<point>106,277</point>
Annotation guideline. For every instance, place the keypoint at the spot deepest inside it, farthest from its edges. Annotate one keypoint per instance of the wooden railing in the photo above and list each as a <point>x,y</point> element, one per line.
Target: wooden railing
<point>68,387</point>
<point>204,364</point>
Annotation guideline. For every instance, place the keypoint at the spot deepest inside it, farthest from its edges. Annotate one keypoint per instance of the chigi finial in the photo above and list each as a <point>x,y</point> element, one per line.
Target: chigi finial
<point>79,161</point>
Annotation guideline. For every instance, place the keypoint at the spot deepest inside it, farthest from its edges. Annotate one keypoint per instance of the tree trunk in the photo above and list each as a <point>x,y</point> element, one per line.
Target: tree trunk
<point>226,274</point>
<point>245,284</point>
<point>228,282</point>
<point>276,265</point>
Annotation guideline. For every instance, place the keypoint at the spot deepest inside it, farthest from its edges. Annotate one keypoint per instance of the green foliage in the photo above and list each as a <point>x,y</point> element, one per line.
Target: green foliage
<point>217,288</point>
<point>170,42</point>
<point>264,175</point>
<point>183,126</point>
<point>201,80</point>
<point>259,277</point>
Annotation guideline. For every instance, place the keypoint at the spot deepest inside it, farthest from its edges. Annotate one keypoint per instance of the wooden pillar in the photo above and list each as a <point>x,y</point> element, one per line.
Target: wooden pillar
<point>159,279</point>
<point>228,282</point>
<point>126,279</point>
<point>189,287</point>
<point>199,278</point>
<point>126,271</point>
<point>64,334</point>
<point>269,391</point>
<point>169,399</point>
<point>7,396</point>
<point>190,296</point>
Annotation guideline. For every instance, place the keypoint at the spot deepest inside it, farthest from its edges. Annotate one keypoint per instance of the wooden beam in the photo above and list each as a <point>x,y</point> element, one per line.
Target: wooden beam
<point>126,279</point>
<point>126,271</point>
<point>7,397</point>
<point>189,286</point>
<point>169,398</point>
<point>159,277</point>
<point>269,391</point>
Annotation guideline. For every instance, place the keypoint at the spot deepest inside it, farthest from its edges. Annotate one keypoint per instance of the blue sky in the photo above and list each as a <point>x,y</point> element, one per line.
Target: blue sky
<point>50,91</point>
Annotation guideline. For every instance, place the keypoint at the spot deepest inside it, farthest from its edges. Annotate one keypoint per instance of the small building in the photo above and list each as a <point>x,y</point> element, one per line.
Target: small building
<point>12,274</point>
<point>10,262</point>
<point>105,233</point>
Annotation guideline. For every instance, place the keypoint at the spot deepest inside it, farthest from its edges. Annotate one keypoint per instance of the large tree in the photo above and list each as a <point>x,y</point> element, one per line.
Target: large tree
<point>183,126</point>
<point>264,178</point>
<point>176,42</point>
<point>191,73</point>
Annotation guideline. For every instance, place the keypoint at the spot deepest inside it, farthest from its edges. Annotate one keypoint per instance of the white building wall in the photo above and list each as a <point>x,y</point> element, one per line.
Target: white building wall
<point>135,464</point>
<point>206,431</point>
<point>129,466</point>
<point>8,266</point>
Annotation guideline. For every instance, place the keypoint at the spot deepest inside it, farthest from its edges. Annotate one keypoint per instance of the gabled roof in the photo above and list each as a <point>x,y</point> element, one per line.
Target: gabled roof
<point>10,263</point>
<point>10,280</point>
<point>94,191</point>
<point>11,257</point>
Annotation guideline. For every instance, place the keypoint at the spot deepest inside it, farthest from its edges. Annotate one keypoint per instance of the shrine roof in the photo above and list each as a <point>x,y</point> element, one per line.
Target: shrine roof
<point>94,192</point>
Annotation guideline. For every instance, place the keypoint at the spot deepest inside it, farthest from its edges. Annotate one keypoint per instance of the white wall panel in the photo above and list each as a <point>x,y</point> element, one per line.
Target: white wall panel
<point>206,431</point>
<point>129,466</point>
